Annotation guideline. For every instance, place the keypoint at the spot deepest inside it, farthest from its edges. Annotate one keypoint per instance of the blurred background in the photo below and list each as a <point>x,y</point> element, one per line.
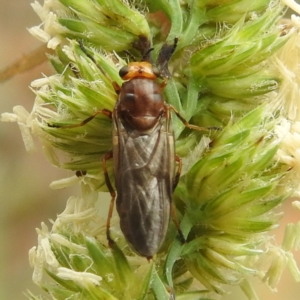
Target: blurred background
<point>26,199</point>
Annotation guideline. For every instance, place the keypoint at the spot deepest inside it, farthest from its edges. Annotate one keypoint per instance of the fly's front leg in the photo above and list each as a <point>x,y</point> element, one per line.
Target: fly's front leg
<point>108,156</point>
<point>188,125</point>
<point>104,111</point>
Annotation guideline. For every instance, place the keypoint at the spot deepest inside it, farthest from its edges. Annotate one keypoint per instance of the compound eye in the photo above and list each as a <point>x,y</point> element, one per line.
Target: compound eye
<point>156,71</point>
<point>123,71</point>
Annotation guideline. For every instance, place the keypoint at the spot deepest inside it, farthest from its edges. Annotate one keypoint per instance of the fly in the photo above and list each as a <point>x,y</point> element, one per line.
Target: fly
<point>143,154</point>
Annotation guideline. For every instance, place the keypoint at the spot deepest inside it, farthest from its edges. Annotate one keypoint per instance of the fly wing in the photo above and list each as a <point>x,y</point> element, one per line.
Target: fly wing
<point>144,174</point>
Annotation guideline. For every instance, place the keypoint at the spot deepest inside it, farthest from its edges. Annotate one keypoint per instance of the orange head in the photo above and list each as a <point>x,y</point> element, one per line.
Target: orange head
<point>141,69</point>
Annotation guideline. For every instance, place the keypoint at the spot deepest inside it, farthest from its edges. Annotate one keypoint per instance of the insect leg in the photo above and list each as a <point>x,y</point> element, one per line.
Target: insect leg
<point>104,111</point>
<point>173,211</point>
<point>176,223</point>
<point>188,125</point>
<point>177,175</point>
<point>108,156</point>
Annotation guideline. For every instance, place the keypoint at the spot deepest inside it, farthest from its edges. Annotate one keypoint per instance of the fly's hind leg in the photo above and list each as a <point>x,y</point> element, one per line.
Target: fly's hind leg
<point>178,172</point>
<point>173,210</point>
<point>112,192</point>
<point>191,126</point>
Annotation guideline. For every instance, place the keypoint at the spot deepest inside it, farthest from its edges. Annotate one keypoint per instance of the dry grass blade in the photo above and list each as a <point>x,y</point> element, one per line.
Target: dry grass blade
<point>25,63</point>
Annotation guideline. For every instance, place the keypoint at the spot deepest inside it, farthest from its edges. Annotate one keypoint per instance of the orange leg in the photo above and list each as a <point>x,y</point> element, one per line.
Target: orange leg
<point>188,125</point>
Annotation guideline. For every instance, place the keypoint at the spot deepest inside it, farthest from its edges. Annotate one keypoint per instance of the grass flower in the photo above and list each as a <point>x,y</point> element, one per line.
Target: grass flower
<point>235,67</point>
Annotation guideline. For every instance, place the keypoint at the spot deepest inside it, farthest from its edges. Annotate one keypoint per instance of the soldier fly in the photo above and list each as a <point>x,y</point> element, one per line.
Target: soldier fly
<point>143,155</point>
